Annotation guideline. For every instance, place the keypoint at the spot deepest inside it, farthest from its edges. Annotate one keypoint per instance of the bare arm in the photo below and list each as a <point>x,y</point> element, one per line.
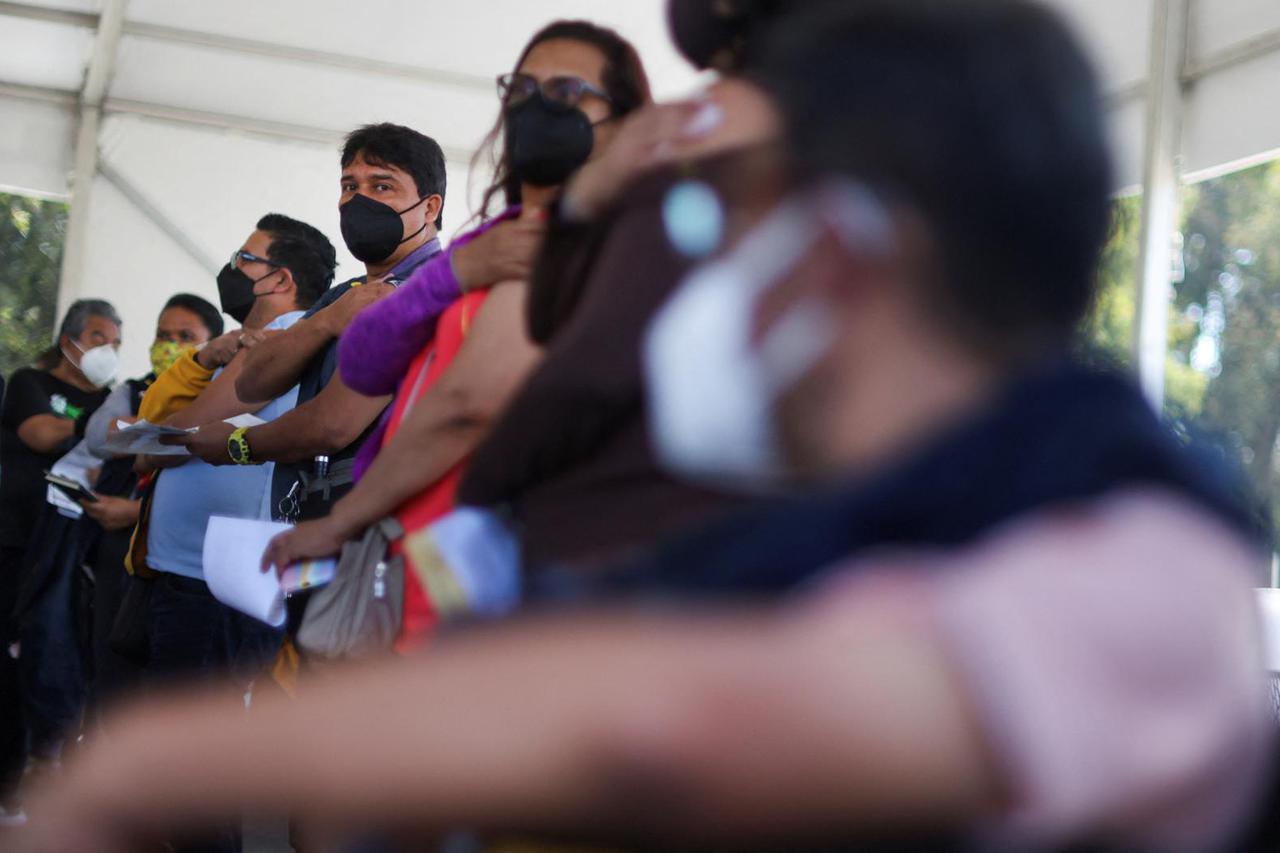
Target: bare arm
<point>735,727</point>
<point>323,425</point>
<point>277,364</point>
<point>219,400</point>
<point>45,433</point>
<point>450,420</point>
<point>274,366</point>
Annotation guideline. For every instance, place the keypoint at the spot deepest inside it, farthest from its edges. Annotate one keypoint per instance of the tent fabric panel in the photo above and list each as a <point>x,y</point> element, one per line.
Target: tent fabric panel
<point>35,146</point>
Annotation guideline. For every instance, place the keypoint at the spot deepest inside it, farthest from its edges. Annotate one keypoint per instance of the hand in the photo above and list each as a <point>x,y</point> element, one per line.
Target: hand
<point>648,138</point>
<point>250,338</point>
<point>114,426</point>
<point>503,253</point>
<point>320,538</point>
<point>113,513</point>
<point>219,351</point>
<point>208,443</point>
<point>338,316</point>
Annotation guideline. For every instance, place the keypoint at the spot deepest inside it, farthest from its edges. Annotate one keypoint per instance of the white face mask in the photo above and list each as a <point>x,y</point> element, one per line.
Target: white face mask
<point>711,389</point>
<point>99,364</point>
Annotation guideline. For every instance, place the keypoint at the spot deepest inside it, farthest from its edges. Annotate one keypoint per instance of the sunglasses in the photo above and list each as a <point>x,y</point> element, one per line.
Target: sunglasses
<point>561,92</point>
<point>250,258</point>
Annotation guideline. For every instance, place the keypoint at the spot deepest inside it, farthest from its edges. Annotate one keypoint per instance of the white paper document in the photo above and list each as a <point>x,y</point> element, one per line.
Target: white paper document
<point>233,549</point>
<point>144,437</point>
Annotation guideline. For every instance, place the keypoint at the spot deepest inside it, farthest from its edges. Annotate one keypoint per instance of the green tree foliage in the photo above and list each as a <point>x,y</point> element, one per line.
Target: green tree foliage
<point>1229,304</point>
<point>1108,331</point>
<point>1223,365</point>
<point>31,237</point>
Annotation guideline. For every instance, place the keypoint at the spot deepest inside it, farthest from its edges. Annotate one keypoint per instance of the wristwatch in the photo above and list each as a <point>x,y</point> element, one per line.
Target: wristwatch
<point>238,447</point>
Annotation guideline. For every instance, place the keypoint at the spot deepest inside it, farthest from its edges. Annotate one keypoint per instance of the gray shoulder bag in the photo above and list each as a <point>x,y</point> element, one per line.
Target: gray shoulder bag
<point>359,614</point>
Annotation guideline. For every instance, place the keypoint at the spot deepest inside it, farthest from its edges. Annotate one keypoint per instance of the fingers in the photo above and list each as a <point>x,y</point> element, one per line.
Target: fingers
<point>276,553</point>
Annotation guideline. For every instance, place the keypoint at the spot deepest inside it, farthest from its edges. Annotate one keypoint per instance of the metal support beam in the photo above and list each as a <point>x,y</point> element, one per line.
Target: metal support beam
<point>237,44</point>
<point>1160,197</point>
<point>328,137</point>
<point>274,50</point>
<point>66,17</point>
<point>96,80</point>
<point>153,215</point>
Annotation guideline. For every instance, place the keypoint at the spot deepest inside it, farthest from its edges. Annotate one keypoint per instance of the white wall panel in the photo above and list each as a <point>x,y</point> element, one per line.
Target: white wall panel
<point>35,146</point>
<point>137,268</point>
<point>39,53</point>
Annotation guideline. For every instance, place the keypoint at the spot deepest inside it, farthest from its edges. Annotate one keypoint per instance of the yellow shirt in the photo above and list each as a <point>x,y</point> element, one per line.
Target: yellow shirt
<point>175,389</point>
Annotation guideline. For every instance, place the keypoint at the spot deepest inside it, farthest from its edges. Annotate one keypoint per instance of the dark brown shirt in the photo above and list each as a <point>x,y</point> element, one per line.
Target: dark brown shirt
<point>571,458</point>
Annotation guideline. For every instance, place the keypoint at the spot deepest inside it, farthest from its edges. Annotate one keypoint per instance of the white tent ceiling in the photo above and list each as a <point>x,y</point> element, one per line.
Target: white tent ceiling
<point>214,113</point>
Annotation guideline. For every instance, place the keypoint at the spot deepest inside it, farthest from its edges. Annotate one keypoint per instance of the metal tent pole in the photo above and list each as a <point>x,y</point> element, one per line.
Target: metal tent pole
<point>1160,192</point>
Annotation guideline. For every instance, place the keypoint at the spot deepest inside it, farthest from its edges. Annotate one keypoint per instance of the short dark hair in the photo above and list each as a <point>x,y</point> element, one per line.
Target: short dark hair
<point>305,251</point>
<point>982,116</point>
<point>208,313</point>
<point>624,78</point>
<point>404,148</point>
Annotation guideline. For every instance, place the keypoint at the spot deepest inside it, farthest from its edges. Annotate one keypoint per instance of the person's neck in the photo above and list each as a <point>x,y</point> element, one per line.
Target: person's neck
<point>906,395</point>
<point>264,312</point>
<point>70,374</point>
<point>537,197</point>
<point>379,270</point>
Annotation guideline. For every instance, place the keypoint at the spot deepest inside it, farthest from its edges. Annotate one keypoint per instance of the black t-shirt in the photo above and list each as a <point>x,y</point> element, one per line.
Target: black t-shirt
<point>22,487</point>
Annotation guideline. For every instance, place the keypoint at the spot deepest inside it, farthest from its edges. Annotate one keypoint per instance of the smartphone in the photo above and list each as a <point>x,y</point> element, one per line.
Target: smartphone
<point>70,488</point>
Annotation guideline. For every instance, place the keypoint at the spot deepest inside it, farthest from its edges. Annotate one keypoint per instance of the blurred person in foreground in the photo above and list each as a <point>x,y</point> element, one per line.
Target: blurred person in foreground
<point>1018,613</point>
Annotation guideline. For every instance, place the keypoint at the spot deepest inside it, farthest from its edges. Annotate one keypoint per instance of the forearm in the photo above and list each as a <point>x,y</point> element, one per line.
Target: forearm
<point>307,432</point>
<point>274,365</point>
<point>46,433</point>
<point>669,728</point>
<point>218,401</point>
<point>99,427</point>
<point>376,349</point>
<point>404,468</point>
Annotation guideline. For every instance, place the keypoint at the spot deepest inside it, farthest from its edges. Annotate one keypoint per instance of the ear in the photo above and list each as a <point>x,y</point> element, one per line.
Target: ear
<point>433,205</point>
<point>286,283</point>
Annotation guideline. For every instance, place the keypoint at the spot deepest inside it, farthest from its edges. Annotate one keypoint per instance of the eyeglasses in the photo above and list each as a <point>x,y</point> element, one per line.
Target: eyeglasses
<point>560,92</point>
<point>250,258</point>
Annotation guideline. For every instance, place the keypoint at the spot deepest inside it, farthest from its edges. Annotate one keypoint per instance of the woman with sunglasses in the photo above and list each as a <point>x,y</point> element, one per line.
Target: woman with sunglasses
<point>560,109</point>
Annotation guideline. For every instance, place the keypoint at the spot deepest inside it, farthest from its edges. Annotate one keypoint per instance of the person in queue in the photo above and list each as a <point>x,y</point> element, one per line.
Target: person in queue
<point>284,266</point>
<point>560,109</point>
<point>187,325</point>
<point>46,409</point>
<point>626,230</point>
<point>57,662</point>
<point>1027,623</point>
<point>392,189</point>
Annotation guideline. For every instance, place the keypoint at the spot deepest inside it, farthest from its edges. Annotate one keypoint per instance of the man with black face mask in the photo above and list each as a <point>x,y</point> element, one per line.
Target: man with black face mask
<point>393,184</point>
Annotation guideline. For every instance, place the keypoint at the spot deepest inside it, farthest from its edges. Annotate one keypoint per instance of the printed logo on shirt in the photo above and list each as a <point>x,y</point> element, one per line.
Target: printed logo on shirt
<point>61,406</point>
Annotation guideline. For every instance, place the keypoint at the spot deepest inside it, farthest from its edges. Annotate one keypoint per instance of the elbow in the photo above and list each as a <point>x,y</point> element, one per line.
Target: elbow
<point>249,387</point>
<point>467,411</point>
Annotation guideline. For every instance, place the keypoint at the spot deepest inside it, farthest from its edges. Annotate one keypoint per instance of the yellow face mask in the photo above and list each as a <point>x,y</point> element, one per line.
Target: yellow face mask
<point>164,354</point>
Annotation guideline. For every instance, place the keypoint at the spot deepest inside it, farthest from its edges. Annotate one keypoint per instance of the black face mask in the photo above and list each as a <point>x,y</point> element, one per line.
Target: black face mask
<point>546,144</point>
<point>235,292</point>
<point>372,229</point>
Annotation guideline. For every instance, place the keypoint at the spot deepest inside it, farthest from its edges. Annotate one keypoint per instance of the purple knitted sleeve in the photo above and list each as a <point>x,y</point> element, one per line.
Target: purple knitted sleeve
<point>375,351</point>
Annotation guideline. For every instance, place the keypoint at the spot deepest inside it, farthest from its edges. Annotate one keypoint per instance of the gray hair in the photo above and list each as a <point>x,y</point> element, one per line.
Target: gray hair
<point>79,313</point>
